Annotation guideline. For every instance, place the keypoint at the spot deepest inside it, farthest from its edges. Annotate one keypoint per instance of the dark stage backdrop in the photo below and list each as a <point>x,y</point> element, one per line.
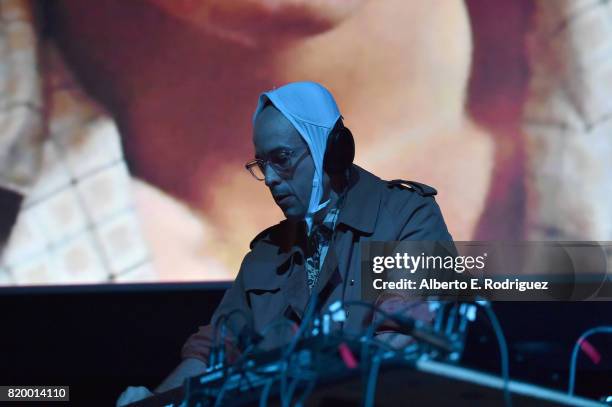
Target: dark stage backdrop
<point>100,340</point>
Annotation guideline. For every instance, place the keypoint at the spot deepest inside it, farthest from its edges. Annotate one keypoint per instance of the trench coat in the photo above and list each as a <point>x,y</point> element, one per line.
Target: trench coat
<point>271,285</point>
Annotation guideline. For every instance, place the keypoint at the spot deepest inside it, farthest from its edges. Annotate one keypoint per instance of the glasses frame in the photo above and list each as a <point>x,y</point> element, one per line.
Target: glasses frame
<point>283,173</point>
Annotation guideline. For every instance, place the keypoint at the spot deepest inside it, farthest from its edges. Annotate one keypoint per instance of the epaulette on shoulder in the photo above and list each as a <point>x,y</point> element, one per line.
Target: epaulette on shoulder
<point>421,189</point>
<point>261,235</point>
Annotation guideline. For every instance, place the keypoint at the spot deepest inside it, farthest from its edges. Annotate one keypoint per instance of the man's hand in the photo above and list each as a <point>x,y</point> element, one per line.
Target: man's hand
<point>187,368</point>
<point>395,340</point>
<point>133,394</point>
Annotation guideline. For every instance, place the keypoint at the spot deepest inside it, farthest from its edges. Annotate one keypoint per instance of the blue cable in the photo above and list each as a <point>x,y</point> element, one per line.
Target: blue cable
<point>372,381</point>
<point>503,349</point>
<point>574,358</point>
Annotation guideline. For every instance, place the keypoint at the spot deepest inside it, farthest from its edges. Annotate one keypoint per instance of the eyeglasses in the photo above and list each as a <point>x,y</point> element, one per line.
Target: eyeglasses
<point>283,162</point>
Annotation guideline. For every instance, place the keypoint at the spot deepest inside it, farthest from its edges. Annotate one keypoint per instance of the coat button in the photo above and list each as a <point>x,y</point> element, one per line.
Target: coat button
<point>352,282</point>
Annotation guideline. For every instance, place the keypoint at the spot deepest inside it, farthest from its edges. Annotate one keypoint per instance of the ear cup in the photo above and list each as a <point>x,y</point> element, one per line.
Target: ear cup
<point>340,150</point>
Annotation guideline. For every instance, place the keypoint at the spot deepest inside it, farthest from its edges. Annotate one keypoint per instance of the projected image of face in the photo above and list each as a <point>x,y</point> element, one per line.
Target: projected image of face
<point>433,91</point>
<point>285,162</point>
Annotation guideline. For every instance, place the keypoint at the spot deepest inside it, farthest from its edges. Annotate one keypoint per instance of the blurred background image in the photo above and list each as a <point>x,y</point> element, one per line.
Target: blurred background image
<point>124,126</point>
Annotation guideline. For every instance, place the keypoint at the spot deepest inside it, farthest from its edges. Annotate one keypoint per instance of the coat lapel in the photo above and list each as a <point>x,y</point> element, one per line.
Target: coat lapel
<point>295,285</point>
<point>296,288</point>
<point>359,213</point>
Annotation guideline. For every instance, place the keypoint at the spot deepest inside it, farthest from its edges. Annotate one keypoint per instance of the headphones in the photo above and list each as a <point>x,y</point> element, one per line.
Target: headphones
<point>340,150</point>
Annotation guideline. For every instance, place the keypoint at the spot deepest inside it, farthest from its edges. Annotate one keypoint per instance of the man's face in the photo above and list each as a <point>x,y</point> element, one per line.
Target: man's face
<point>277,141</point>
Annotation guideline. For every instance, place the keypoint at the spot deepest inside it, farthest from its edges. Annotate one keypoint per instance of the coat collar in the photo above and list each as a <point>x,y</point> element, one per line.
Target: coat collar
<point>362,201</point>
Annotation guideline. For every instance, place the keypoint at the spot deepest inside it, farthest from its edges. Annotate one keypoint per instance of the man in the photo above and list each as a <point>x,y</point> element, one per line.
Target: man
<point>304,156</point>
